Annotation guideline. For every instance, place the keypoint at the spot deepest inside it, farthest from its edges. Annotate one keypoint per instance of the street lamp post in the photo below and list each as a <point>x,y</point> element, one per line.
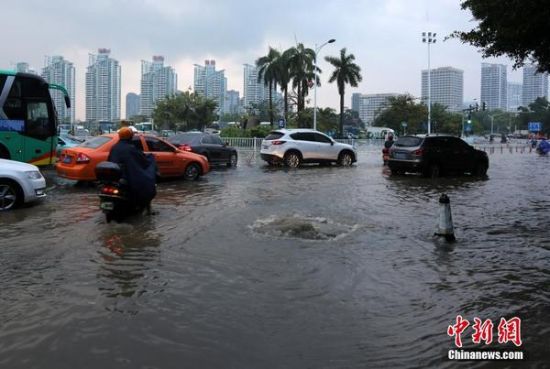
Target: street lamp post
<point>317,49</point>
<point>429,38</point>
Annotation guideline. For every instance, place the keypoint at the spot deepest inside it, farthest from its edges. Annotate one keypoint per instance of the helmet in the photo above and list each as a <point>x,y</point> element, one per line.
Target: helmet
<point>125,133</point>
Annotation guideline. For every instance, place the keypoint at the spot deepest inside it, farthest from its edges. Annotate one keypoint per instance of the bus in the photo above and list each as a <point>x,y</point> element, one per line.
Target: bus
<point>28,120</point>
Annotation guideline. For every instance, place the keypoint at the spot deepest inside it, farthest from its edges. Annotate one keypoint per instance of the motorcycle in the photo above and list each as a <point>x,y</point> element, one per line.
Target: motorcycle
<point>114,196</point>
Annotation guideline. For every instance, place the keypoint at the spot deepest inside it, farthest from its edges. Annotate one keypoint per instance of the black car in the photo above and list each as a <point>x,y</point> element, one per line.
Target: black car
<point>435,155</point>
<point>209,145</point>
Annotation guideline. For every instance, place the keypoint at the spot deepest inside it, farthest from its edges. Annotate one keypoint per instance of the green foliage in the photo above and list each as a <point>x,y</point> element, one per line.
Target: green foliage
<point>258,131</point>
<point>516,28</point>
<point>268,70</point>
<point>184,112</point>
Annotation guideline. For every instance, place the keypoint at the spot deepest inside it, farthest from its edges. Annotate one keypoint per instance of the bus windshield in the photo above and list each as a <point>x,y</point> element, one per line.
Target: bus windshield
<point>28,120</point>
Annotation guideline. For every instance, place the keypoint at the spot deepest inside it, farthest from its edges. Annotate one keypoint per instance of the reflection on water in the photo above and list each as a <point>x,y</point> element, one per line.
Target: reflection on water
<point>222,276</point>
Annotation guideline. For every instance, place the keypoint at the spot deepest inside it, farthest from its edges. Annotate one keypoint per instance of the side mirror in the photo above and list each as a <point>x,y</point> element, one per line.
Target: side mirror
<point>225,144</point>
<point>331,142</point>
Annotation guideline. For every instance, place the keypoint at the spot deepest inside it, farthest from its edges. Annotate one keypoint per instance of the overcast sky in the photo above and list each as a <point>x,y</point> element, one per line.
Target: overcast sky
<point>384,36</point>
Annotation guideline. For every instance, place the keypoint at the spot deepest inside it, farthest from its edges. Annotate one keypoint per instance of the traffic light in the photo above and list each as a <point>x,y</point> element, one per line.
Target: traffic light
<point>483,106</point>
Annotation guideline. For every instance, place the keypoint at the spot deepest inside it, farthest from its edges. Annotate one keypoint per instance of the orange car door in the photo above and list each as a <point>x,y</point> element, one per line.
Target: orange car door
<point>165,156</point>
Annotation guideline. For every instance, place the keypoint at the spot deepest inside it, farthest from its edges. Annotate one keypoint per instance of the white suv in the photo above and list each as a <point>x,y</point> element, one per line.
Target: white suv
<point>296,146</point>
<point>19,183</point>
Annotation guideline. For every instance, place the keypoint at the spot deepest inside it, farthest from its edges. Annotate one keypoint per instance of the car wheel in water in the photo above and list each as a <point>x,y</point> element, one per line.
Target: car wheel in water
<point>434,171</point>
<point>192,172</point>
<point>232,161</point>
<point>481,170</point>
<point>293,159</point>
<point>10,195</point>
<point>345,159</point>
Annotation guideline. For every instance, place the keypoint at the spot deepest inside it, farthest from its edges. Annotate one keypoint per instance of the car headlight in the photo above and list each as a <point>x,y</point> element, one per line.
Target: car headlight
<point>33,174</point>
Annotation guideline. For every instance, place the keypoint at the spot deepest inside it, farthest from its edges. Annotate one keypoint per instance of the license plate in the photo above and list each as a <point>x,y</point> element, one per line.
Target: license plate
<point>265,147</point>
<point>107,205</point>
<point>67,159</point>
<point>400,155</point>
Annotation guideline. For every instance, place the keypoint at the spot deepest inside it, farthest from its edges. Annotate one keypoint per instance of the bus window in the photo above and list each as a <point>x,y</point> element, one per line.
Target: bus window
<point>38,120</point>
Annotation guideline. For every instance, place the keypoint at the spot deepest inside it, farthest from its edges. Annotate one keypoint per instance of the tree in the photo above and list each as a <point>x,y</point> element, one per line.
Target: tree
<point>185,111</point>
<point>284,77</point>
<point>345,72</point>
<point>518,29</point>
<point>301,67</point>
<point>402,109</point>
<point>267,72</point>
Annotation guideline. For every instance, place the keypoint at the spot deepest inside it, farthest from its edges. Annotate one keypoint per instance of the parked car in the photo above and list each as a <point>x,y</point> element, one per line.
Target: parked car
<point>209,145</point>
<point>78,163</point>
<point>435,155</point>
<point>296,146</point>
<point>65,142</point>
<point>19,183</point>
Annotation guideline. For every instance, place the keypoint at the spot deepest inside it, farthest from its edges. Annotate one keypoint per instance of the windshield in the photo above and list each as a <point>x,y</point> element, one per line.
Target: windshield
<point>408,141</point>
<point>274,136</point>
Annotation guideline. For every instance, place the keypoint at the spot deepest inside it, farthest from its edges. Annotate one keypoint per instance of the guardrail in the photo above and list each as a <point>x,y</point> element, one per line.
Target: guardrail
<point>370,145</point>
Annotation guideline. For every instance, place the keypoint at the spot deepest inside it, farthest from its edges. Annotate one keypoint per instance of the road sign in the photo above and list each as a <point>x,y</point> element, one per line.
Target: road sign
<point>403,124</point>
<point>534,126</point>
<point>281,123</point>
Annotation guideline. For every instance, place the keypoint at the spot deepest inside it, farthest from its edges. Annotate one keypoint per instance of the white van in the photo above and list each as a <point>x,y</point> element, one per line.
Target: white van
<point>379,132</point>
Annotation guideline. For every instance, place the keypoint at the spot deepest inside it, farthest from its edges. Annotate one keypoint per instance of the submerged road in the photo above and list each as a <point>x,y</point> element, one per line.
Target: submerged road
<point>255,267</point>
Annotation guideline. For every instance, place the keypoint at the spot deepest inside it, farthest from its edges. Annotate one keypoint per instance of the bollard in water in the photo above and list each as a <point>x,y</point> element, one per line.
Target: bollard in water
<point>445,227</point>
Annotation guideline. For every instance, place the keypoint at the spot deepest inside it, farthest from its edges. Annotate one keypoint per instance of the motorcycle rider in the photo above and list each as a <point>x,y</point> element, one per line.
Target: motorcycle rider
<point>138,170</point>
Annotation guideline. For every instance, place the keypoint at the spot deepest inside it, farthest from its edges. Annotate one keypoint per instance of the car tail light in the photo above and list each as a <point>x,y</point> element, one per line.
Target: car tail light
<point>418,152</point>
<point>185,147</point>
<point>108,190</point>
<point>277,142</point>
<point>82,158</point>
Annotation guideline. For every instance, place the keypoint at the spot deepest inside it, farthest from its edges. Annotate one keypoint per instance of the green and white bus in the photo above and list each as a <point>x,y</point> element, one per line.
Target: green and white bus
<point>28,120</point>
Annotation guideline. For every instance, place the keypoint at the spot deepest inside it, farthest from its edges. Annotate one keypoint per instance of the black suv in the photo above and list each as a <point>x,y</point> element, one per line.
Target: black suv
<point>435,155</point>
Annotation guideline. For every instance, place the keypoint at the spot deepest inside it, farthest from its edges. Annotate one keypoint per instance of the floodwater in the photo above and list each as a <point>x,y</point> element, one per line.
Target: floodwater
<point>257,267</point>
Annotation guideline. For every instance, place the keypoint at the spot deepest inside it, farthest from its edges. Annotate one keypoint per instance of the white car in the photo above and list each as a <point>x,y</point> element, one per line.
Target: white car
<point>19,183</point>
<point>296,146</point>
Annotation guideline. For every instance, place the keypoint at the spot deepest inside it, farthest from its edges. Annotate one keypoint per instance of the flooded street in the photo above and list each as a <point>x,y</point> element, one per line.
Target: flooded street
<point>257,267</point>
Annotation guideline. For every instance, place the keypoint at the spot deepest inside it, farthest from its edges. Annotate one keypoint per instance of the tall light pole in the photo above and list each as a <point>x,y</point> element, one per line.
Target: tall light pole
<point>317,49</point>
<point>429,38</point>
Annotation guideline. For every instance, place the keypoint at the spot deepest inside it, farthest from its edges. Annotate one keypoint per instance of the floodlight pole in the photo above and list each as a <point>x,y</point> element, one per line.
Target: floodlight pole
<point>317,49</point>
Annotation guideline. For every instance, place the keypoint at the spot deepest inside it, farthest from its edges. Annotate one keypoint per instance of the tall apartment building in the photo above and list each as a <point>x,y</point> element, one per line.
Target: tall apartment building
<point>254,92</point>
<point>102,88</point>
<point>494,86</point>
<point>157,82</point>
<point>232,104</point>
<point>534,85</point>
<point>514,96</point>
<point>61,72</point>
<point>132,105</point>
<point>447,87</point>
<point>370,105</point>
<point>23,67</point>
<point>211,83</point>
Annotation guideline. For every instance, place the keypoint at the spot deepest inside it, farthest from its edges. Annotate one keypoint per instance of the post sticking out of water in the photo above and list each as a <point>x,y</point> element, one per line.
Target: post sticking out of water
<point>445,227</point>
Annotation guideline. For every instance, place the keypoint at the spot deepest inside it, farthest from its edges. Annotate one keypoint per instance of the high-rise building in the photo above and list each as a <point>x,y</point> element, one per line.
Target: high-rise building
<point>232,102</point>
<point>514,96</point>
<point>61,72</point>
<point>370,105</point>
<point>102,88</point>
<point>23,67</point>
<point>211,83</point>
<point>534,85</point>
<point>494,86</point>
<point>254,92</point>
<point>447,87</point>
<point>132,105</point>
<point>157,82</point>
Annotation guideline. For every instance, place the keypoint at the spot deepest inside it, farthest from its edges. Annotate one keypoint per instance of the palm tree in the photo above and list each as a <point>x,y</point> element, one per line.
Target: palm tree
<point>345,72</point>
<point>301,66</point>
<point>284,77</point>
<point>267,72</point>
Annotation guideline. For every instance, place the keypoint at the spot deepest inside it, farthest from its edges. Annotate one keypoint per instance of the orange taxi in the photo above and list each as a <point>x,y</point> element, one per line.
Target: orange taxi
<point>79,162</point>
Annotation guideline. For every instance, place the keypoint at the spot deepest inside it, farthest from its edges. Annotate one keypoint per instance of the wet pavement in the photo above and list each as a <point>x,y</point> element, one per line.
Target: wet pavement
<point>257,267</point>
